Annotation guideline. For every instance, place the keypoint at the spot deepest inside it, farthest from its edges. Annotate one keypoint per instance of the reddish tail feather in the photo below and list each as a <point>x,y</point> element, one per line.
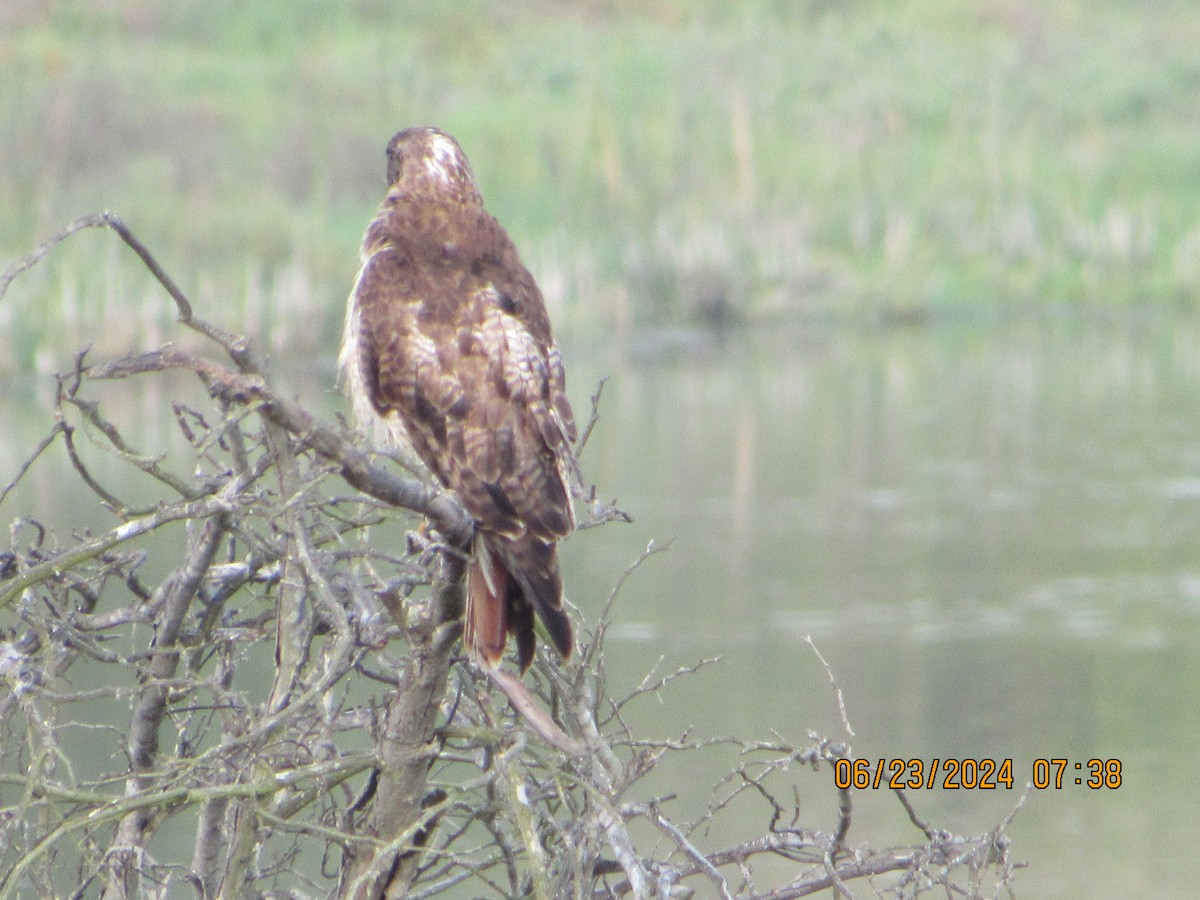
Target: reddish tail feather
<point>507,580</point>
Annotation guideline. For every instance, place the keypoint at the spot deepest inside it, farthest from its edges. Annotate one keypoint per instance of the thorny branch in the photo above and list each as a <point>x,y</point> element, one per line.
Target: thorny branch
<point>248,658</point>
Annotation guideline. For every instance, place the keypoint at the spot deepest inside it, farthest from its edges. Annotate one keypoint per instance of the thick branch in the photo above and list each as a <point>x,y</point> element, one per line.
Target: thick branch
<point>406,746</point>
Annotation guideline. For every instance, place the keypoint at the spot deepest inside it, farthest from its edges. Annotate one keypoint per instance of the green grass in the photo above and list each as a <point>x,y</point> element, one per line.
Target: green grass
<point>655,162</point>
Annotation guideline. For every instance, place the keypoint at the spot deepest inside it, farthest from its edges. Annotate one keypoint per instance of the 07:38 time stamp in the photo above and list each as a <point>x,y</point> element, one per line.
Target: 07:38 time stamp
<point>973,774</point>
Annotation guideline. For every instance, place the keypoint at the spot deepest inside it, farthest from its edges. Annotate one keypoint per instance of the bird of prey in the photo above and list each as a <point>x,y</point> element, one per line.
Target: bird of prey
<point>448,351</point>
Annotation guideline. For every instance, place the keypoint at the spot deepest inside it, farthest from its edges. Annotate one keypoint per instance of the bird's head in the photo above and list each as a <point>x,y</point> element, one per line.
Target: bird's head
<point>425,162</point>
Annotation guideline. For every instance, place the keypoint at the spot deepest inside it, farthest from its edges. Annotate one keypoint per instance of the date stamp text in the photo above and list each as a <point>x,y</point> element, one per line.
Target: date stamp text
<point>974,774</point>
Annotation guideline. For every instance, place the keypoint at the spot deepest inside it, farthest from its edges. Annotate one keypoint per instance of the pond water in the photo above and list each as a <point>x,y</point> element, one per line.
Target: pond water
<point>989,530</point>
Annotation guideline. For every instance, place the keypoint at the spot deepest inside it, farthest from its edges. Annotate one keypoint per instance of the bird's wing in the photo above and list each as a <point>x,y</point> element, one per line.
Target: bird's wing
<point>449,351</point>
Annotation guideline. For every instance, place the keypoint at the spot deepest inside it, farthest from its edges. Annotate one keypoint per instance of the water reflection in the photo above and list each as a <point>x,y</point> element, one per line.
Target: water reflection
<point>991,531</point>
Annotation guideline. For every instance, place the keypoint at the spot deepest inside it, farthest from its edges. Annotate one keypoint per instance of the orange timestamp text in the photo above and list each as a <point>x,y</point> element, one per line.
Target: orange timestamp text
<point>973,774</point>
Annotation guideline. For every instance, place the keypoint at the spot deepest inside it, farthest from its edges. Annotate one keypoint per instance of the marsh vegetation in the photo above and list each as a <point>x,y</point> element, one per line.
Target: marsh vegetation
<point>657,163</point>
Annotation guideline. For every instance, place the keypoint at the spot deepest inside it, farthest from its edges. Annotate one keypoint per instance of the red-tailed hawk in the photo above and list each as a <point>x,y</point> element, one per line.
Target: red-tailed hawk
<point>448,349</point>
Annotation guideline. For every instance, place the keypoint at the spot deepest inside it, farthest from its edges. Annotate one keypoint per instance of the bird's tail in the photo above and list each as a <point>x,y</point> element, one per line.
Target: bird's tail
<point>506,582</point>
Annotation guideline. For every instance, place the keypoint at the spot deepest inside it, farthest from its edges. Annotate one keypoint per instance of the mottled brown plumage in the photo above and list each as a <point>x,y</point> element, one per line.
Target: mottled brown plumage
<point>448,348</point>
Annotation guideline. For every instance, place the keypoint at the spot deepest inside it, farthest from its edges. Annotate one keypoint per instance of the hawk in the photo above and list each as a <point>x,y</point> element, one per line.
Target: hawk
<point>448,351</point>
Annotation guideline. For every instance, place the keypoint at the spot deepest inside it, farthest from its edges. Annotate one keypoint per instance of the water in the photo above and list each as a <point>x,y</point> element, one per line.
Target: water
<point>991,532</point>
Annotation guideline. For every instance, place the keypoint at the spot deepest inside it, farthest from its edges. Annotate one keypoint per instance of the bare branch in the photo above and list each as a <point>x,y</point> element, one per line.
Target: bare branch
<point>39,252</point>
<point>841,700</point>
<point>355,465</point>
<point>592,419</point>
<point>129,531</point>
<point>29,460</point>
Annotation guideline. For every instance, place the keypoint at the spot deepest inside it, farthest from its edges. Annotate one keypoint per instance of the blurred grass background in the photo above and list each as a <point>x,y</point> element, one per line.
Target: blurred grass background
<point>668,162</point>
